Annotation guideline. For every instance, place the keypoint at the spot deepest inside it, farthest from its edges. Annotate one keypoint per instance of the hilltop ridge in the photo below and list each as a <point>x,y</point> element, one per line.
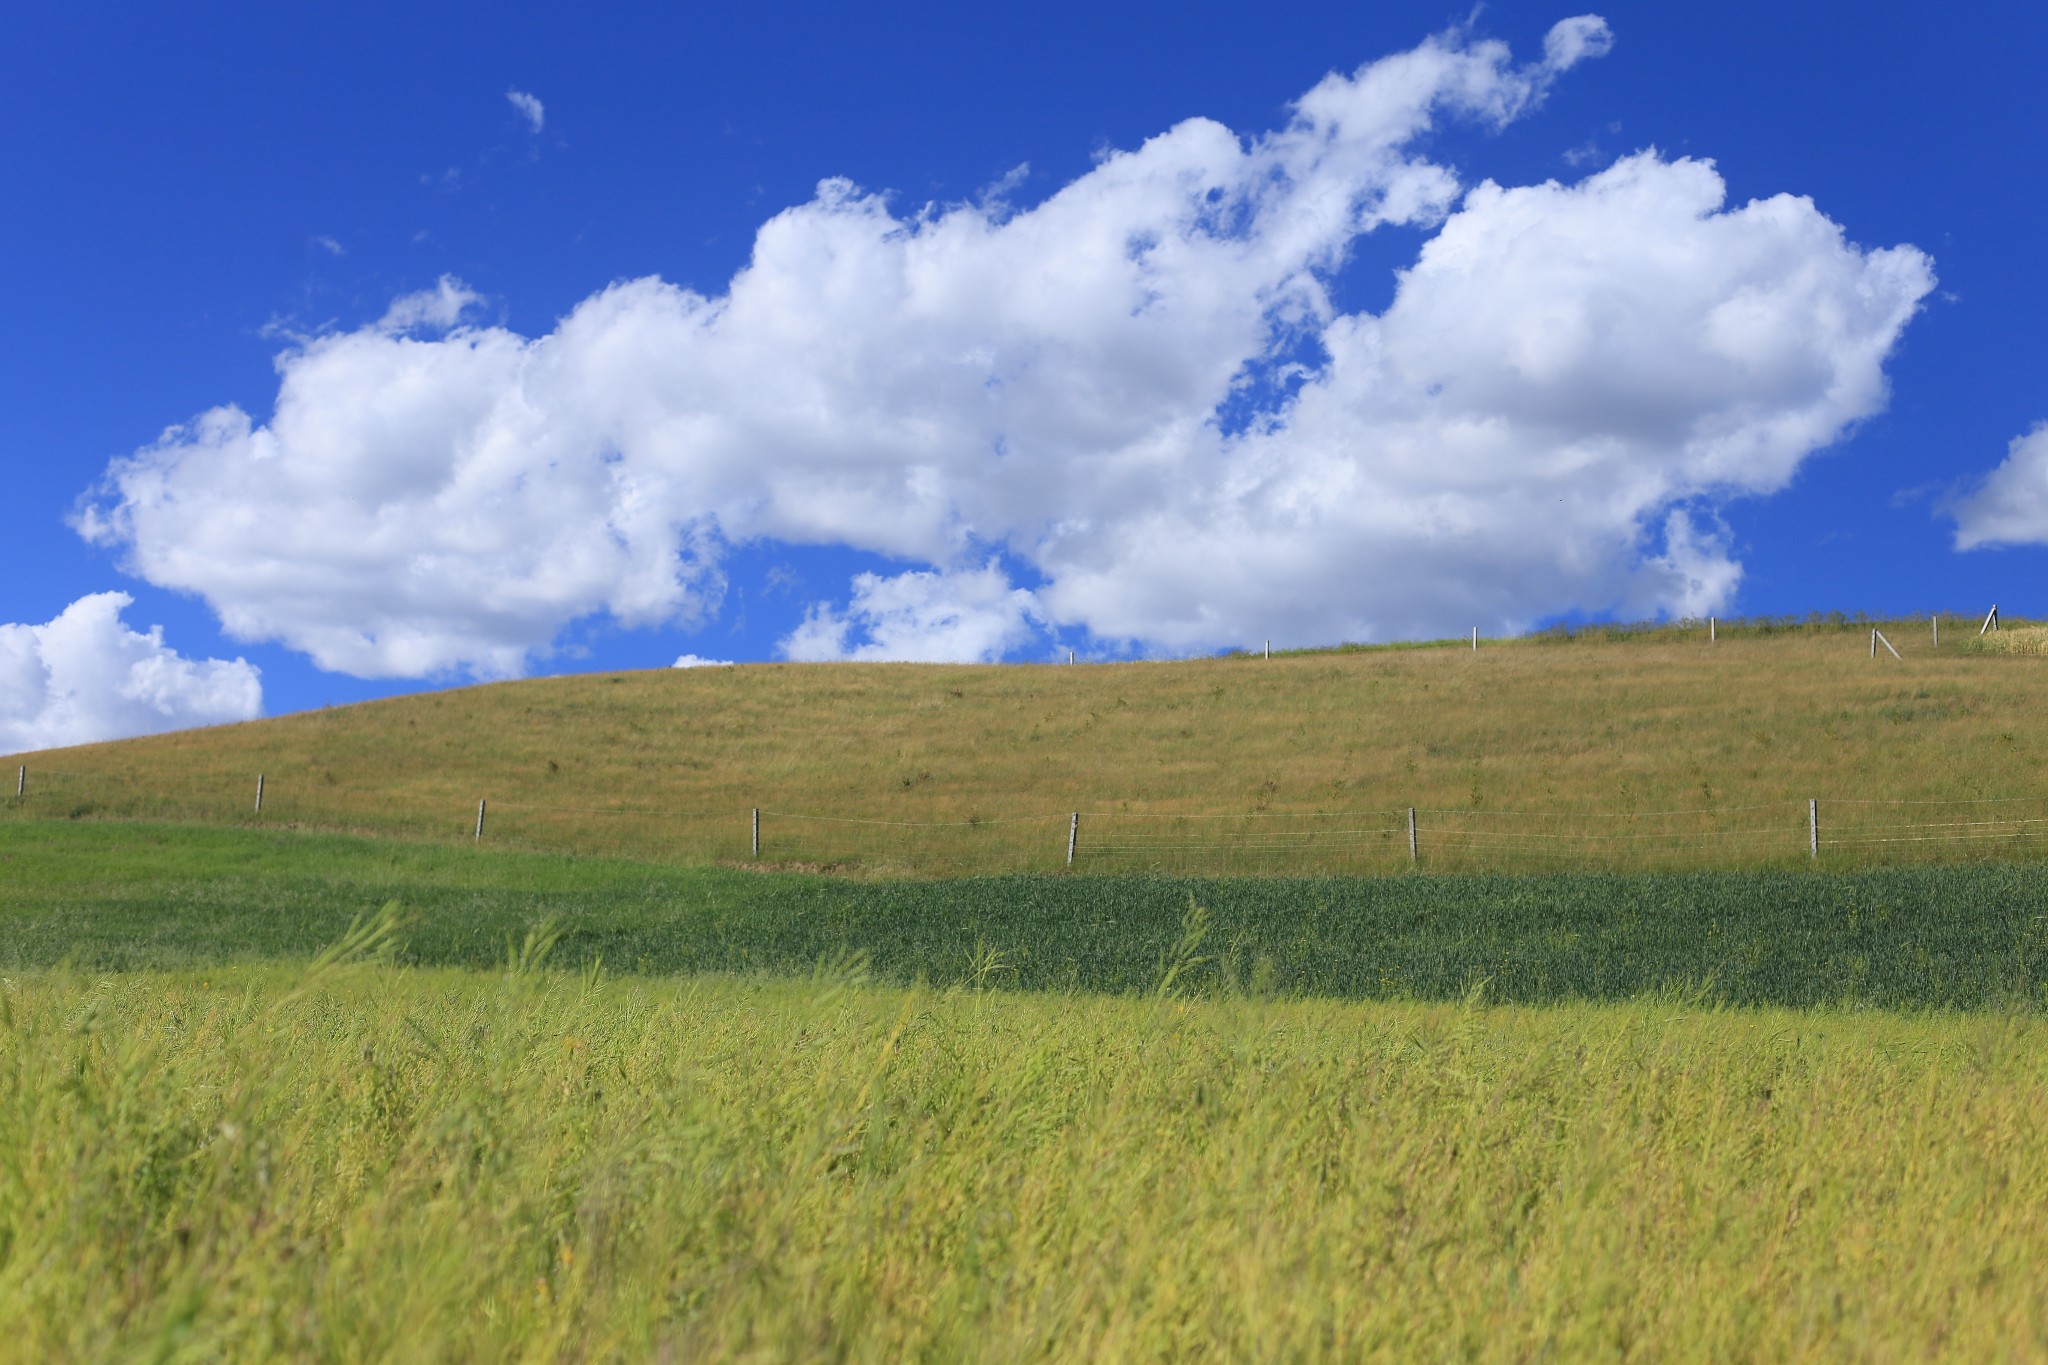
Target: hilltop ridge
<point>669,763</point>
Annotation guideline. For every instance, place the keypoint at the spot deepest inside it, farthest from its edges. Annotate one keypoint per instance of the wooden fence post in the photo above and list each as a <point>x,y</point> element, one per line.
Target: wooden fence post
<point>1711,637</point>
<point>757,831</point>
<point>1813,827</point>
<point>1935,617</point>
<point>1073,836</point>
<point>480,819</point>
<point>1412,856</point>
<point>259,793</point>
<point>1990,620</point>
<point>21,782</point>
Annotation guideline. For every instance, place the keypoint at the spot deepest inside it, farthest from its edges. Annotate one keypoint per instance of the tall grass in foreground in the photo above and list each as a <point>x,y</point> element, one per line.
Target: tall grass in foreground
<point>383,1163</point>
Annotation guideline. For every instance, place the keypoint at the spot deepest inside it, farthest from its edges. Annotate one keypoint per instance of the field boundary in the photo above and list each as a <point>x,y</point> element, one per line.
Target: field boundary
<point>1836,831</point>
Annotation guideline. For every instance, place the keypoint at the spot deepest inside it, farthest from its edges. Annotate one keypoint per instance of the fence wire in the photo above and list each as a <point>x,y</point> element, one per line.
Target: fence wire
<point>1852,831</point>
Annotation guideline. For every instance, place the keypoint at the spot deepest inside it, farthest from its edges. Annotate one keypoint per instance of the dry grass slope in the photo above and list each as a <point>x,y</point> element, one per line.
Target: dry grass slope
<point>666,764</point>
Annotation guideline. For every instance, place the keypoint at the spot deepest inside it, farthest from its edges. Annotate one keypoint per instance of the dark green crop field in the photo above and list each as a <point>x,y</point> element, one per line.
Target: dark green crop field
<point>124,897</point>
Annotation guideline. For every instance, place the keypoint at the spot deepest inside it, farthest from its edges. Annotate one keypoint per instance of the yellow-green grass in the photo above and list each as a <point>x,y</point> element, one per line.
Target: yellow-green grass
<point>1528,754</point>
<point>375,1163</point>
<point>2030,640</point>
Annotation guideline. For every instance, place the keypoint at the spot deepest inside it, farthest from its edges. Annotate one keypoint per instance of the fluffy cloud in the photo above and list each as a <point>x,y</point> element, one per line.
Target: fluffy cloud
<point>85,677</point>
<point>1139,389</point>
<point>696,661</point>
<point>933,617</point>
<point>2011,506</point>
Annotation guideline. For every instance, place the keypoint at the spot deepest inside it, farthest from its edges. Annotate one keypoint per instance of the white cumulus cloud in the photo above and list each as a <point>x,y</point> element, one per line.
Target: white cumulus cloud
<point>530,108</point>
<point>1139,389</point>
<point>963,617</point>
<point>695,661</point>
<point>85,677</point>
<point>2010,507</point>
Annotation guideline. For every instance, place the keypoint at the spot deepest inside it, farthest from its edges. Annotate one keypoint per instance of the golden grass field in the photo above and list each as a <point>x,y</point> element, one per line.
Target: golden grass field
<point>387,1164</point>
<point>1523,754</point>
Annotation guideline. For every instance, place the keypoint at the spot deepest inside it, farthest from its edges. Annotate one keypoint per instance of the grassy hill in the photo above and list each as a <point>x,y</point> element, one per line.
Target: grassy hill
<point>1615,747</point>
<point>567,1105</point>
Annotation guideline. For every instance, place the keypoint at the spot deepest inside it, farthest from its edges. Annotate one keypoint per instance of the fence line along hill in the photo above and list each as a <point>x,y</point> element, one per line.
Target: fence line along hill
<point>1605,747</point>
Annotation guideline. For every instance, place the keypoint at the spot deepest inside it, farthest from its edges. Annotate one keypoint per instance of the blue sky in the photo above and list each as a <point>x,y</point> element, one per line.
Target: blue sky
<point>197,200</point>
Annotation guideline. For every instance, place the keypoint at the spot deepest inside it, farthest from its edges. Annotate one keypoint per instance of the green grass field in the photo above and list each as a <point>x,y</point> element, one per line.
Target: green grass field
<point>560,1108</point>
<point>342,1083</point>
<point>106,897</point>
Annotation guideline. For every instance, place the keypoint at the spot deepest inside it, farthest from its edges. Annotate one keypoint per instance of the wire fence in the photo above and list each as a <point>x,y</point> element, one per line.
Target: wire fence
<point>1834,832</point>
<point>1386,840</point>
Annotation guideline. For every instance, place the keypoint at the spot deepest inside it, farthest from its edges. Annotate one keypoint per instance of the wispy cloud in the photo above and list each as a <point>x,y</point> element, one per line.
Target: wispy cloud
<point>529,107</point>
<point>434,310</point>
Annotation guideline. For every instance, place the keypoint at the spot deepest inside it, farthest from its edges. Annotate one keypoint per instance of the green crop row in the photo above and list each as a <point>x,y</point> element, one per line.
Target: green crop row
<point>139,896</point>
